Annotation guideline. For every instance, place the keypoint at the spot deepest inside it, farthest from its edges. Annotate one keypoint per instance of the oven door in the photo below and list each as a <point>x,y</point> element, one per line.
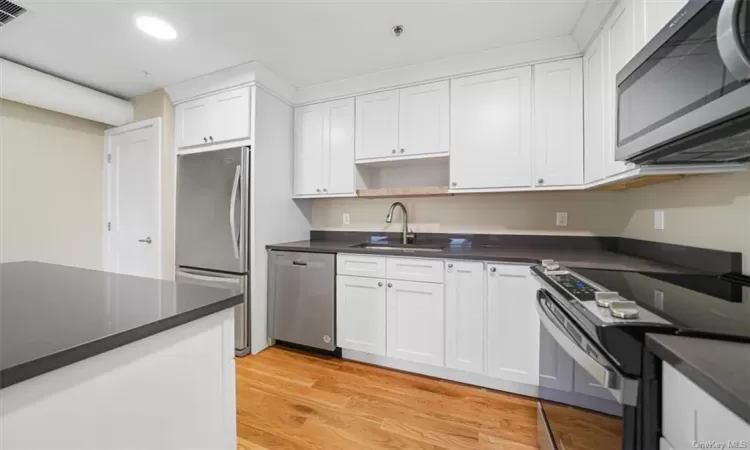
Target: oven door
<point>590,381</point>
<point>692,76</point>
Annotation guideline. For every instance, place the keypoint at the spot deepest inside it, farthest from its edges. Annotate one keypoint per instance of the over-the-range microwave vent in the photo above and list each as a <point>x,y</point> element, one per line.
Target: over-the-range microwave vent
<point>9,11</point>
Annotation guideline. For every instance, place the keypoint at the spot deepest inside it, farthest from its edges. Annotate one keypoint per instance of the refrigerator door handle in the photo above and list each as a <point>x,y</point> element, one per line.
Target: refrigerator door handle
<point>232,201</point>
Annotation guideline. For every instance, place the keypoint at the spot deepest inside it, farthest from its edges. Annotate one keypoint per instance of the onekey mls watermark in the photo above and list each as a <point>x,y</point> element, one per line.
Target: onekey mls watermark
<point>721,444</point>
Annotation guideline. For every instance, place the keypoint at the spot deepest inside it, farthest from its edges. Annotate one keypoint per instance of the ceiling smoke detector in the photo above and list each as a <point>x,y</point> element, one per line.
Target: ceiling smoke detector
<point>397,30</point>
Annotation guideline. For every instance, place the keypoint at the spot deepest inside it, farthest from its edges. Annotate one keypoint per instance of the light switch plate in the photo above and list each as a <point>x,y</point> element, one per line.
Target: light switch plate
<point>658,299</point>
<point>658,220</point>
<point>562,219</point>
<point>345,218</point>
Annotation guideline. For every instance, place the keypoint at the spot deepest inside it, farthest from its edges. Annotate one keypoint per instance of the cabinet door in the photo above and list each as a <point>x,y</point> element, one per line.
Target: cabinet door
<point>512,324</point>
<point>558,123</point>
<point>555,365</point>
<point>415,330</point>
<point>491,130</point>
<point>360,314</point>
<point>338,172</point>
<point>620,30</point>
<point>594,112</point>
<point>584,383</point>
<point>377,125</point>
<point>309,145</point>
<point>423,119</point>
<point>230,115</point>
<point>192,123</point>
<point>464,315</point>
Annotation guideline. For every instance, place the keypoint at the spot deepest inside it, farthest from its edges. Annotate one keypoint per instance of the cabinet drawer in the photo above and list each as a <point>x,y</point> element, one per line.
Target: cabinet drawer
<point>518,270</point>
<point>361,265</point>
<point>415,269</point>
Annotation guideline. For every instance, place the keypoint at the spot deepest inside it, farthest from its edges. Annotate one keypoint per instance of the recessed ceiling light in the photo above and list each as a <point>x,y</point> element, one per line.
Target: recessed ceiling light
<point>156,27</point>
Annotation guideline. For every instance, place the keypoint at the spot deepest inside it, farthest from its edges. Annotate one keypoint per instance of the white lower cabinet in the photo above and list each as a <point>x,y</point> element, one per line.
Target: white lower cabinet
<point>512,324</point>
<point>415,322</point>
<point>465,316</point>
<point>360,314</point>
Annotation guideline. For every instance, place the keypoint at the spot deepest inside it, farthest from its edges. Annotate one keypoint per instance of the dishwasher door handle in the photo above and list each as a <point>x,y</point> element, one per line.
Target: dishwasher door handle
<point>299,263</point>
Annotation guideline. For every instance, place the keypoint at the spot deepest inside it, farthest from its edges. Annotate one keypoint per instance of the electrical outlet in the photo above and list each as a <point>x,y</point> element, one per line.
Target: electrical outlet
<point>345,218</point>
<point>562,219</point>
<point>658,299</point>
<point>659,220</point>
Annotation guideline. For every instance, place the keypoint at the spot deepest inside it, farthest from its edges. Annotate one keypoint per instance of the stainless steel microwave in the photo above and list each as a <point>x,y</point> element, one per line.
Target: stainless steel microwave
<point>685,98</point>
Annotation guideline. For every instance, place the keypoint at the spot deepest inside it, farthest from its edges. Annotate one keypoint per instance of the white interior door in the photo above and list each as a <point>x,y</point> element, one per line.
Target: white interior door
<point>133,199</point>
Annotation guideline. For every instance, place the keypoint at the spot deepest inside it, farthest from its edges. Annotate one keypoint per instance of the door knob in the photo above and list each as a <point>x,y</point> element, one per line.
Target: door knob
<point>390,285</point>
<point>380,283</point>
<point>493,269</point>
<point>147,240</point>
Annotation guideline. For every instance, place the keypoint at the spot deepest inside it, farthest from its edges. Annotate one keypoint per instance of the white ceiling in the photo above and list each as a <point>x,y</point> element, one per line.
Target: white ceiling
<point>96,44</point>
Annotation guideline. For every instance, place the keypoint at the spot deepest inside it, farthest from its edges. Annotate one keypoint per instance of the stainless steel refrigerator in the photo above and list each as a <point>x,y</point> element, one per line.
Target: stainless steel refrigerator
<point>213,194</point>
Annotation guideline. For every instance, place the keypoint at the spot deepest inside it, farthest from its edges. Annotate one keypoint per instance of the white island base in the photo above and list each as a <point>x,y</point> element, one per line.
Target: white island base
<point>174,390</point>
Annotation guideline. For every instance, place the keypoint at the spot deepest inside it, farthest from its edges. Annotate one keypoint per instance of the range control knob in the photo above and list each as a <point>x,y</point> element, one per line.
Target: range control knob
<point>604,298</point>
<point>550,264</point>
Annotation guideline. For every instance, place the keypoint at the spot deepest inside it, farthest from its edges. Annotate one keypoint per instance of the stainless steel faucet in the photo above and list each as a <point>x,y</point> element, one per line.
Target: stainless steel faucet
<point>405,234</point>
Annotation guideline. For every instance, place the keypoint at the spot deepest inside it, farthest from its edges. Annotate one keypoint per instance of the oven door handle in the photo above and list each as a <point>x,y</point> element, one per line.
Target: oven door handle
<point>603,375</point>
<point>623,388</point>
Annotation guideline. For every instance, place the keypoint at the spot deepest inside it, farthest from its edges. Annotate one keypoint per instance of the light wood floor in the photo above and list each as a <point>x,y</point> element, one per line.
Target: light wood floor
<point>291,400</point>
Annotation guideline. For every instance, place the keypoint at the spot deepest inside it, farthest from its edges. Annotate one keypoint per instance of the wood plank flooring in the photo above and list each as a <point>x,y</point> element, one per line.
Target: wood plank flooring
<point>292,400</point>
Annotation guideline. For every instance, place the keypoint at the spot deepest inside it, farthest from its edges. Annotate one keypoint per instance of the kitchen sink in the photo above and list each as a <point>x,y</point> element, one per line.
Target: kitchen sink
<point>401,247</point>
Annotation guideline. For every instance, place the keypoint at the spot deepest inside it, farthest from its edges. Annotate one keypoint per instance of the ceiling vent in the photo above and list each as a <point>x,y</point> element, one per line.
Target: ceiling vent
<point>9,11</point>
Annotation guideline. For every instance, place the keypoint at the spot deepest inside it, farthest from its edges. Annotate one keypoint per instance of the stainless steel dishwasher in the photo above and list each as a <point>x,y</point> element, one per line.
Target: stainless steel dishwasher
<point>302,302</point>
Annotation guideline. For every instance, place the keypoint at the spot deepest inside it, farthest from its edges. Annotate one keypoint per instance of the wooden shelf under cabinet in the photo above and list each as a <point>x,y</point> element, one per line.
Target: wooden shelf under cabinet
<point>403,192</point>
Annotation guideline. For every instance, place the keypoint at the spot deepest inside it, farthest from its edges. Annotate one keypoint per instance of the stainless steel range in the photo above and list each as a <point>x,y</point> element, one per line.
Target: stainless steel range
<point>600,319</point>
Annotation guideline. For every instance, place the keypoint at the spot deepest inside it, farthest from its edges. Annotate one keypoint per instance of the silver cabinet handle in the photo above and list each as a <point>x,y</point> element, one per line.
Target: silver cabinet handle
<point>325,190</point>
<point>380,284</point>
<point>540,181</point>
<point>232,201</point>
<point>147,240</point>
<point>318,189</point>
<point>450,265</point>
<point>402,150</point>
<point>728,40</point>
<point>211,138</point>
<point>393,151</point>
<point>493,269</point>
<point>390,285</point>
<point>453,184</point>
<point>205,140</point>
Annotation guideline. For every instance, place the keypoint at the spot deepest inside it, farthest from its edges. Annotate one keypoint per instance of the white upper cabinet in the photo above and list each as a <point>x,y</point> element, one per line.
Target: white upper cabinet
<point>309,143</point>
<point>491,130</point>
<point>512,324</point>
<point>403,122</point>
<point>339,172</point>
<point>324,148</point>
<point>213,119</point>
<point>465,316</point>
<point>230,115</point>
<point>377,125</point>
<point>621,41</point>
<point>360,314</point>
<point>558,123</point>
<point>424,119</point>
<point>415,322</point>
<point>595,110</point>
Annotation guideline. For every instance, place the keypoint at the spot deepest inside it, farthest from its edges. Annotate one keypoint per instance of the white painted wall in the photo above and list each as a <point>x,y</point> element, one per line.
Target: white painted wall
<point>51,196</point>
<point>274,216</point>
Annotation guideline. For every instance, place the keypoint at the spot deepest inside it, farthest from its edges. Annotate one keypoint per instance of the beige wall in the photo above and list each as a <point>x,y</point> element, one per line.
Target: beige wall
<point>51,183</point>
<point>149,106</point>
<point>589,213</point>
<point>711,211</point>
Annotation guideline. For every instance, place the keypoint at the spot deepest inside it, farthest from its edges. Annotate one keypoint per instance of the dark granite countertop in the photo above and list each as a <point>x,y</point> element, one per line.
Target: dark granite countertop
<point>574,258</point>
<point>720,368</point>
<point>52,315</point>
